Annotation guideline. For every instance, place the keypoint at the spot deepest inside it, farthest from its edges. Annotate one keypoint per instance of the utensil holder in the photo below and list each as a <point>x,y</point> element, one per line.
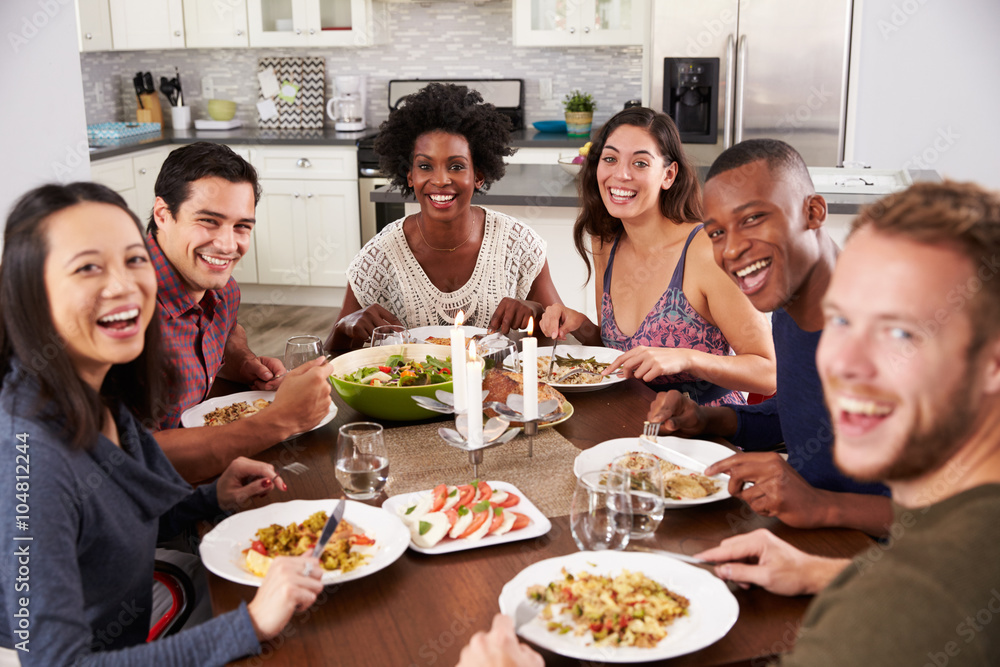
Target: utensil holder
<point>180,117</point>
<point>151,112</point>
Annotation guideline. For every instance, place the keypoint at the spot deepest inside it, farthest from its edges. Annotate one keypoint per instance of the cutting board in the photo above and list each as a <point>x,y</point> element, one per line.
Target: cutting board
<point>308,108</point>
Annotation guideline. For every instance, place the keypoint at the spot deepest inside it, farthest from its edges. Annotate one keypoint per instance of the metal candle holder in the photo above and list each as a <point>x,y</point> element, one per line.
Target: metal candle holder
<point>495,433</point>
<point>513,410</point>
<point>445,403</point>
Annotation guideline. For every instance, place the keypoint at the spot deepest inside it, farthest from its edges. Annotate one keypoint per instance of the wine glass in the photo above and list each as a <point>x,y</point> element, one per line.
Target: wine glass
<point>600,517</point>
<point>645,479</point>
<point>300,349</point>
<point>362,462</point>
<point>390,334</point>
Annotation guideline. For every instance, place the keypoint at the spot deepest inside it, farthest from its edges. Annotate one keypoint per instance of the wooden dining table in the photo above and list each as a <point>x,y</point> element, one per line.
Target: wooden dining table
<point>423,609</point>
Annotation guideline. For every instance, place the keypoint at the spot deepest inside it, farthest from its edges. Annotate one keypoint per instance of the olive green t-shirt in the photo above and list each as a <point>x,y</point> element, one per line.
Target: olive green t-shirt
<point>928,598</point>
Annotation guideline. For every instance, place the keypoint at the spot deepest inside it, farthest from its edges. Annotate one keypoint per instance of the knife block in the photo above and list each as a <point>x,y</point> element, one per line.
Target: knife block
<point>150,112</point>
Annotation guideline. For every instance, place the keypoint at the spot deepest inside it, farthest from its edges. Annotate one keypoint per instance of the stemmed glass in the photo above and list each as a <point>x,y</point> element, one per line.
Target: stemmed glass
<point>600,517</point>
<point>362,461</point>
<point>645,479</point>
<point>390,334</point>
<point>300,349</point>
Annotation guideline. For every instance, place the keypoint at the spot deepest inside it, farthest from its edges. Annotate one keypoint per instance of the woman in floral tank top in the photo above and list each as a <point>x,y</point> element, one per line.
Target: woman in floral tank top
<point>682,323</point>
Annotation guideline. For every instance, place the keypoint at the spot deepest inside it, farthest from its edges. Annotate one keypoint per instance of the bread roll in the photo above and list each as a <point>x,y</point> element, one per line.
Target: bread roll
<point>501,384</point>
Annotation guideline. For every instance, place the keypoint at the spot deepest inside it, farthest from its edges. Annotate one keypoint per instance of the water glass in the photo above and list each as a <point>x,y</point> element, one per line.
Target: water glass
<point>645,479</point>
<point>495,351</point>
<point>601,514</point>
<point>300,349</point>
<point>362,463</point>
<point>390,334</point>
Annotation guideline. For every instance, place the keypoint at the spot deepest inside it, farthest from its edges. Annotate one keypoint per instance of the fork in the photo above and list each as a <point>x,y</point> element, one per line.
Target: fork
<point>294,467</point>
<point>650,430</point>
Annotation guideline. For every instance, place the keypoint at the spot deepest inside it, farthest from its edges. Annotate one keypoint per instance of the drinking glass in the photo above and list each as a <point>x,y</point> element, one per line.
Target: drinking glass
<point>645,479</point>
<point>495,351</point>
<point>390,334</point>
<point>600,517</point>
<point>300,349</point>
<point>362,463</point>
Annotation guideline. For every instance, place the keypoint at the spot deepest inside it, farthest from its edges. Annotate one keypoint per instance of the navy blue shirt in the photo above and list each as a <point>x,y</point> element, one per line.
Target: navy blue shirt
<point>801,421</point>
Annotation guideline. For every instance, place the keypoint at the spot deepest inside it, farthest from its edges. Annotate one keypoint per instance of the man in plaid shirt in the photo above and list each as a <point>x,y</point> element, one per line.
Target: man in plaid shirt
<point>206,197</point>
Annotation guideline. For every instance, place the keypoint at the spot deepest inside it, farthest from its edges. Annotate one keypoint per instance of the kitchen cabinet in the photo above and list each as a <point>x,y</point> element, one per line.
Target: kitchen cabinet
<point>133,177</point>
<point>308,218</point>
<point>141,24</point>
<point>93,18</point>
<point>579,23</point>
<point>310,22</point>
<point>215,23</point>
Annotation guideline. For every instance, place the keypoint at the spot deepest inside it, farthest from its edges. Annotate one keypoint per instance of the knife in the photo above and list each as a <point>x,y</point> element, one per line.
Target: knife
<point>331,525</point>
<point>671,554</point>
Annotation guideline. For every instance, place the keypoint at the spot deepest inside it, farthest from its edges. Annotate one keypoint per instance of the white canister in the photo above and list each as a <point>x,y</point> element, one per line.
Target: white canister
<point>180,117</point>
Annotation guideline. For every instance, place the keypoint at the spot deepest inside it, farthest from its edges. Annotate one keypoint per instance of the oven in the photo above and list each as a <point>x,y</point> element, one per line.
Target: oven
<point>374,217</point>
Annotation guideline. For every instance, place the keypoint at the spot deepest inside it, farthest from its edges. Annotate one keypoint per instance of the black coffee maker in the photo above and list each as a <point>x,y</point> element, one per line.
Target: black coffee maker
<point>691,97</point>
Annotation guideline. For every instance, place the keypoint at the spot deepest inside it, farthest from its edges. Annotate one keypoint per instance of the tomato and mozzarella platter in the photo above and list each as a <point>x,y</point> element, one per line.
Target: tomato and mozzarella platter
<point>465,512</point>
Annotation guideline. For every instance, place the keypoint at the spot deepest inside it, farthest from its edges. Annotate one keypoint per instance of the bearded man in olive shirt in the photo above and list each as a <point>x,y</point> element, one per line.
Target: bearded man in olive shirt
<point>910,364</point>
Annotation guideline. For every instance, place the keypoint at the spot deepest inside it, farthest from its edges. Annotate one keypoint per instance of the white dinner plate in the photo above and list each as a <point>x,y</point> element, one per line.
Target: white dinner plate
<point>195,416</point>
<point>222,548</point>
<point>695,455</point>
<point>712,612</point>
<point>601,354</point>
<point>421,334</point>
<point>538,527</point>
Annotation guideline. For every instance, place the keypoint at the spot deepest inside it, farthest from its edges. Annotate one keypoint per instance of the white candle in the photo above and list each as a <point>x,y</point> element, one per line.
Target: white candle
<point>474,368</point>
<point>458,372</point>
<point>529,367</point>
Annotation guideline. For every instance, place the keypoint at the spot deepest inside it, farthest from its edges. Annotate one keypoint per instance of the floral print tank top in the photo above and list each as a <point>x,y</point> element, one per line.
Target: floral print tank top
<point>671,323</point>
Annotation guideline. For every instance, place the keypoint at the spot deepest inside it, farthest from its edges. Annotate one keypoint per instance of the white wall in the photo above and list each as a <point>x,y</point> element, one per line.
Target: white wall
<point>927,88</point>
<point>43,127</point>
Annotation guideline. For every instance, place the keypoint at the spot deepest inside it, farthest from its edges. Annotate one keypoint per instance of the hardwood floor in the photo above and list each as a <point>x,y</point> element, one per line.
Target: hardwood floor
<point>269,326</point>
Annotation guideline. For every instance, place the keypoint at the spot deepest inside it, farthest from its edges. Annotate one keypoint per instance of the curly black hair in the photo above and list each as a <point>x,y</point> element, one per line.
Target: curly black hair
<point>449,108</point>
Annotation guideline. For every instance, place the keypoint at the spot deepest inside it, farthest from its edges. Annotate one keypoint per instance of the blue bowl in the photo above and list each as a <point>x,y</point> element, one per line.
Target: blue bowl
<point>554,126</point>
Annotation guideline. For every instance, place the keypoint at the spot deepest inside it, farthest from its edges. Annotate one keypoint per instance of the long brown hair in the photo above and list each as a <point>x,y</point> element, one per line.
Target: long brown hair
<point>681,203</point>
<point>28,334</point>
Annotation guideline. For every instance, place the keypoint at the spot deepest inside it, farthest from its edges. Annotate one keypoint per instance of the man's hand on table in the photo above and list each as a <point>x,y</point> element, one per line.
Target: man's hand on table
<point>776,489</point>
<point>244,479</point>
<point>779,567</point>
<point>263,373</point>
<point>498,648</point>
<point>303,398</point>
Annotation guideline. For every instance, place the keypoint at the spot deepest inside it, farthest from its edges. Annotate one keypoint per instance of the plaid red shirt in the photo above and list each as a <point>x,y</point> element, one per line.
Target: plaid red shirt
<point>194,334</point>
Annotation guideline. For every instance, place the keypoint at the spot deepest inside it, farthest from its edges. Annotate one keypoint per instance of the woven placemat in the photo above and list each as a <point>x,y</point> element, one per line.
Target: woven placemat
<point>420,460</point>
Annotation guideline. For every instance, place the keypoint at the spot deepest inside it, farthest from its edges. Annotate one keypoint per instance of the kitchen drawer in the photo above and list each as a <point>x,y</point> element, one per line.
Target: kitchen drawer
<point>116,174</point>
<point>308,163</point>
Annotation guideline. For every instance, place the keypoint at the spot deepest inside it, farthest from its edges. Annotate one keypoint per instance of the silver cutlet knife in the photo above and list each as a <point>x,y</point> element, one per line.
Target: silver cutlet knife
<point>331,525</point>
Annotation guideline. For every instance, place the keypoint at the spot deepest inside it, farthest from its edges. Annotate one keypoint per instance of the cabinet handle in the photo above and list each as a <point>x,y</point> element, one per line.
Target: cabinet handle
<point>295,194</point>
<point>298,31</point>
<point>239,33</point>
<point>312,31</point>
<point>177,33</point>
<point>303,162</point>
<point>142,171</point>
<point>89,36</point>
<point>572,30</point>
<point>309,196</point>
<point>586,29</point>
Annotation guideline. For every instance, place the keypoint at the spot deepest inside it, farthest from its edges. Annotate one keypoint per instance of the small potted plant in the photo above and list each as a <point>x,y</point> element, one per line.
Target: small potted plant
<point>579,113</point>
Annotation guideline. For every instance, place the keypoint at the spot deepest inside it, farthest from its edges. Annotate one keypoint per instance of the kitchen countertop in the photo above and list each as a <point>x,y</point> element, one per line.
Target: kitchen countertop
<point>529,138</point>
<point>550,185</point>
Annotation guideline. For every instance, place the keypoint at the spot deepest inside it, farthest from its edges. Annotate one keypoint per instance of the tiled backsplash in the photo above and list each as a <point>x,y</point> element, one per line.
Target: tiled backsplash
<point>451,40</point>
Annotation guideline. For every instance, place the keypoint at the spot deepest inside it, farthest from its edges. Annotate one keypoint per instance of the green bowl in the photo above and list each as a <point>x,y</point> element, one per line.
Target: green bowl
<point>221,109</point>
<point>393,403</point>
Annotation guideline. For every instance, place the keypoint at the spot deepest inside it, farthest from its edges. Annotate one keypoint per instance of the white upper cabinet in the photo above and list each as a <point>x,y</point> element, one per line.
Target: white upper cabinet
<point>215,23</point>
<point>579,23</point>
<point>93,18</point>
<point>310,22</point>
<point>147,24</point>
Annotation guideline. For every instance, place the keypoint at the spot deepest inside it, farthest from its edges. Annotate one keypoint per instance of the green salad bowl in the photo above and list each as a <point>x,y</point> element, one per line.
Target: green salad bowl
<point>392,403</point>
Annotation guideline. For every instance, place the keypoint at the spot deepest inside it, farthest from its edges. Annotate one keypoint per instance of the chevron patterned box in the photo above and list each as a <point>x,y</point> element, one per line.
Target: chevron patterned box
<point>114,131</point>
<point>308,108</point>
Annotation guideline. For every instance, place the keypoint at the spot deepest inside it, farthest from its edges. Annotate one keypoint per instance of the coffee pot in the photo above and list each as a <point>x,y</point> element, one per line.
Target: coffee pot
<point>347,107</point>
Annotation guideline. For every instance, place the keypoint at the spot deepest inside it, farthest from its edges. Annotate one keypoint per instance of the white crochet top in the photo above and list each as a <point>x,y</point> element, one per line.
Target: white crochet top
<point>386,272</point>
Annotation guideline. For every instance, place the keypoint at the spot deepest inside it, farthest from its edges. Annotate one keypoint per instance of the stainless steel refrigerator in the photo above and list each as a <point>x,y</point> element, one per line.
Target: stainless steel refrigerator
<point>741,69</point>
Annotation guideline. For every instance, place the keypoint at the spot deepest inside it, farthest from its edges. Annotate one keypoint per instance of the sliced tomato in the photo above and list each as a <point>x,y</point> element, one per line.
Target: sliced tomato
<point>466,494</point>
<point>452,515</point>
<point>510,500</point>
<point>362,540</point>
<point>497,521</point>
<point>484,491</point>
<point>440,495</point>
<point>478,519</point>
<point>522,521</point>
<point>259,547</point>
<point>385,369</point>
